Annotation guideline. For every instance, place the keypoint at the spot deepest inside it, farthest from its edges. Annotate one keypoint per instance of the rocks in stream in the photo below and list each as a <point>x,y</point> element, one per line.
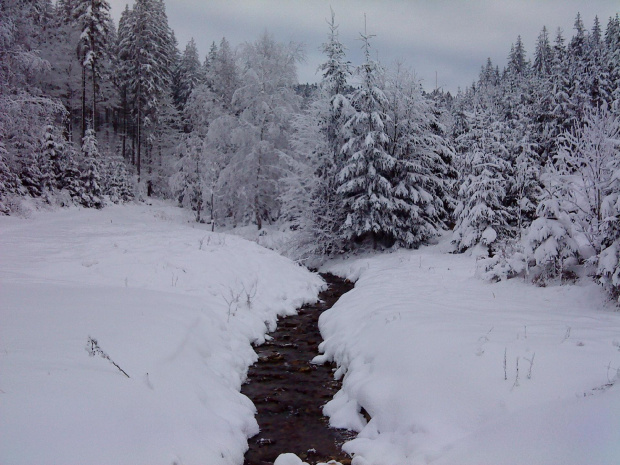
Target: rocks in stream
<point>289,392</point>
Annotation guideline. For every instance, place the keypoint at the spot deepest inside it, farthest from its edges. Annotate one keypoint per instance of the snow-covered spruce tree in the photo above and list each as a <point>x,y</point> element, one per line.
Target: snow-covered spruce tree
<point>53,160</point>
<point>95,25</point>
<point>312,201</point>
<point>550,244</point>
<point>542,102</point>
<point>90,194</point>
<point>519,113</point>
<point>612,63</point>
<point>187,76</point>
<point>421,171</point>
<point>9,182</point>
<point>482,216</point>
<point>122,66</point>
<point>116,180</point>
<point>366,175</point>
<point>71,187</point>
<point>147,51</point>
<point>223,75</point>
<point>562,117</point>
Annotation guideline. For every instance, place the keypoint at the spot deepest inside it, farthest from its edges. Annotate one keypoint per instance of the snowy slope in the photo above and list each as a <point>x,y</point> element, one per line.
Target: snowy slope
<point>176,307</point>
<point>421,343</point>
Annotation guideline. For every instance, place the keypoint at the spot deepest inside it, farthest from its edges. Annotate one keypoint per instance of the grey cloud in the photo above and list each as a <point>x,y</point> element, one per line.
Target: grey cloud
<point>451,37</point>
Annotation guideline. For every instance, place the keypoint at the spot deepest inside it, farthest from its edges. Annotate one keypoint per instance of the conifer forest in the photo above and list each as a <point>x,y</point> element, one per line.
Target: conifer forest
<point>523,164</point>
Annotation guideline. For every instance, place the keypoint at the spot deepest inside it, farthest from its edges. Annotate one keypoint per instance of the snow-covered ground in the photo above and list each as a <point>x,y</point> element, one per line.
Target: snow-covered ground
<point>421,343</point>
<point>174,306</point>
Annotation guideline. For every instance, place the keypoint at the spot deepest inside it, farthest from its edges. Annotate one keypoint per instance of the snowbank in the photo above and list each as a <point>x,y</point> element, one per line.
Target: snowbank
<point>174,306</point>
<point>430,353</point>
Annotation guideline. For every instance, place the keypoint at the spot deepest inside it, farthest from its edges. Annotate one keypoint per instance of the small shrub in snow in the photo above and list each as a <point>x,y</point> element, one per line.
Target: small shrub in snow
<point>609,269</point>
<point>92,347</point>
<point>231,298</point>
<point>508,262</point>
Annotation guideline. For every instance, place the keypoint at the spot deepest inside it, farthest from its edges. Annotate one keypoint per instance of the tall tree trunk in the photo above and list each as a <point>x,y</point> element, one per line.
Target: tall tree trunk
<point>125,124</point>
<point>94,109</point>
<point>83,102</point>
<point>212,212</point>
<point>257,212</point>
<point>139,135</point>
<point>149,163</point>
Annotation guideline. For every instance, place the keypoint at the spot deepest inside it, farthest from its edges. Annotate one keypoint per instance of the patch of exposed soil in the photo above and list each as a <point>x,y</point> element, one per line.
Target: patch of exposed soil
<point>289,392</point>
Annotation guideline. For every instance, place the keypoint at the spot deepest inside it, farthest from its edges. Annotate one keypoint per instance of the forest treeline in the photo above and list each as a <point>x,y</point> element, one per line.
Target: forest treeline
<point>523,165</point>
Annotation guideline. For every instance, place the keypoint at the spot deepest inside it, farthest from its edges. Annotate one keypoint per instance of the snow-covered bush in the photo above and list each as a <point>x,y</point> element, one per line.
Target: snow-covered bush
<point>550,246</point>
<point>609,269</point>
<point>9,182</point>
<point>609,259</point>
<point>508,262</point>
<point>116,181</point>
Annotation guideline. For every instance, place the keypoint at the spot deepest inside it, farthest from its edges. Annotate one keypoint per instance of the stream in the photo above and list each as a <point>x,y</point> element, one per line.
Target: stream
<point>289,392</point>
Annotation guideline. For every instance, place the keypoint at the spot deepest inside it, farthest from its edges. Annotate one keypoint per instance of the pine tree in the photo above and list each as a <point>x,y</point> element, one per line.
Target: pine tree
<point>319,140</point>
<point>9,182</point>
<point>541,113</point>
<point>366,176</point>
<point>562,118</point>
<point>612,64</point>
<point>90,194</point>
<point>550,241</point>
<point>116,180</point>
<point>95,25</point>
<point>421,171</point>
<point>517,61</point>
<point>188,75</point>
<point>224,74</point>
<point>53,159</point>
<point>482,214</point>
<point>146,45</point>
<point>543,56</point>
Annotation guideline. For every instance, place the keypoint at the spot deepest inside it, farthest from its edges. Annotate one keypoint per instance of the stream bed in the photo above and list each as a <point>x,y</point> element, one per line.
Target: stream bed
<point>289,392</point>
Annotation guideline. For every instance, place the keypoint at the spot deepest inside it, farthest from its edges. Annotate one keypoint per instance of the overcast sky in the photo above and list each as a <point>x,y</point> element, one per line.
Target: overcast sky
<point>449,39</point>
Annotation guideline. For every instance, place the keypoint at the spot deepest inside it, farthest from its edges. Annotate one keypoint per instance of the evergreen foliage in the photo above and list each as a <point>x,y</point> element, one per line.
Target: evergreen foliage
<point>524,162</point>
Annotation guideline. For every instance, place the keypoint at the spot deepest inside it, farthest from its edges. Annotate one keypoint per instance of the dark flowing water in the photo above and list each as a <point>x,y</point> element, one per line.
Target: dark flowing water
<point>289,392</point>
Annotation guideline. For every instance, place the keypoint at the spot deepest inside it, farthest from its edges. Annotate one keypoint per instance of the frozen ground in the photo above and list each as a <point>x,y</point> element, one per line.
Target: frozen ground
<point>421,344</point>
<point>174,306</point>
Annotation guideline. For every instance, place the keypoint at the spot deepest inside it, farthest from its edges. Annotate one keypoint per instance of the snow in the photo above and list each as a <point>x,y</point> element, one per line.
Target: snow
<point>420,343</point>
<point>292,459</point>
<point>289,459</point>
<point>152,288</point>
